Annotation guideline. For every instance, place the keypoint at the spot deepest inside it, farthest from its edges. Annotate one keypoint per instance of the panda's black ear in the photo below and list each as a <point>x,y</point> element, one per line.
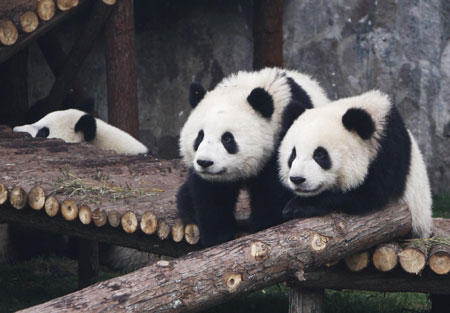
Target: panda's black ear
<point>359,120</point>
<point>261,101</point>
<point>88,126</point>
<point>196,94</point>
<point>291,112</point>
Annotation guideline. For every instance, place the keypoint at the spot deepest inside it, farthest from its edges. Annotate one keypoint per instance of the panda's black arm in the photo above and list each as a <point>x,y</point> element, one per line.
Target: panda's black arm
<point>214,204</point>
<point>357,201</point>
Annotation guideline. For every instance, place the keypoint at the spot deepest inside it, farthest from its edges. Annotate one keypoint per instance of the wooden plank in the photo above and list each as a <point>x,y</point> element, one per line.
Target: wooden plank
<point>304,300</point>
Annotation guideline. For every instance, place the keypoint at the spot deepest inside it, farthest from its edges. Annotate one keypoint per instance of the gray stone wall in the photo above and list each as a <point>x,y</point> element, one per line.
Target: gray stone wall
<point>401,47</point>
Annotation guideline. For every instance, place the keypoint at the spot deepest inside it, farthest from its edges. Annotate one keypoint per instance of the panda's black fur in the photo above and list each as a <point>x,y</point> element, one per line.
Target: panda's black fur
<point>211,204</point>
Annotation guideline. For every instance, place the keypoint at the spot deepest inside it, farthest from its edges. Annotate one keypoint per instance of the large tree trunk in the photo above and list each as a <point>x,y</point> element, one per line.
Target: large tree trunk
<point>267,33</point>
<point>207,277</point>
<point>121,69</point>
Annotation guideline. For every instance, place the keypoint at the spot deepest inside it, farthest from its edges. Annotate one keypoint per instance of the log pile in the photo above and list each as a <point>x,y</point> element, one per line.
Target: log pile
<point>24,20</point>
<point>136,196</point>
<point>204,278</point>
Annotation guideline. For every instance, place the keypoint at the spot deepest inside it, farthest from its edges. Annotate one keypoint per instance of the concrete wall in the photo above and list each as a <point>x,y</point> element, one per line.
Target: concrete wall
<point>401,47</point>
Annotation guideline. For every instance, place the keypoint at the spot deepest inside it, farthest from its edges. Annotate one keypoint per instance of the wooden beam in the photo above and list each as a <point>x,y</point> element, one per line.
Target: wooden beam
<point>213,275</point>
<point>267,33</point>
<point>88,262</point>
<point>121,69</point>
<point>81,48</point>
<point>304,300</point>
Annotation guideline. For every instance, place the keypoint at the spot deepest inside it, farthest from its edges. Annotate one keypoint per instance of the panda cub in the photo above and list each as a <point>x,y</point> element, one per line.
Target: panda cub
<point>229,141</point>
<point>354,155</point>
<point>73,125</point>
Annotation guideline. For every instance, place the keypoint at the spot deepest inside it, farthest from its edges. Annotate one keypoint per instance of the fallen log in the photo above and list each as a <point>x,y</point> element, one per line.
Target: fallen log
<point>207,277</point>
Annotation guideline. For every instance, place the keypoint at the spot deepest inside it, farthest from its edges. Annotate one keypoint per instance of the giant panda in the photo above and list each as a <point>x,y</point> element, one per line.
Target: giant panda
<point>229,142</point>
<point>354,155</point>
<point>76,126</point>
<point>73,125</point>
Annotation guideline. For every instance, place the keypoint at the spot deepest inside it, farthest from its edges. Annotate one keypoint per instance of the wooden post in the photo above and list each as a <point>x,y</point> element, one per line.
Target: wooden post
<point>304,300</point>
<point>88,263</point>
<point>121,69</point>
<point>267,33</point>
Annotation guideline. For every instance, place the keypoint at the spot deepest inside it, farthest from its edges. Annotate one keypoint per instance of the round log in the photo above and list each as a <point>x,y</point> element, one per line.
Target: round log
<point>192,234</point>
<point>149,223</point>
<point>29,21</point>
<point>178,231</point>
<point>100,217</point>
<point>413,259</point>
<point>46,9</point>
<point>163,230</point>
<point>129,222</point>
<point>18,198</point>
<point>114,219</point>
<point>51,206</point>
<point>358,261</point>
<point>85,215</point>
<point>3,194</point>
<point>439,259</point>
<point>8,32</point>
<point>109,2</point>
<point>65,5</point>
<point>36,198</point>
<point>385,257</point>
<point>69,209</point>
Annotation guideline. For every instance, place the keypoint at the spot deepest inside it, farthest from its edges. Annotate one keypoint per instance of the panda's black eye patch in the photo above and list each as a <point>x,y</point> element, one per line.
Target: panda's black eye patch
<point>199,139</point>
<point>43,132</point>
<point>292,157</point>
<point>229,143</point>
<point>322,158</point>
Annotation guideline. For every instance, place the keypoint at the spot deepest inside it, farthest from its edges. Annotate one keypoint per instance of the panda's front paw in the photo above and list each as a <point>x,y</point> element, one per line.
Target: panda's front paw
<point>290,209</point>
<point>295,209</point>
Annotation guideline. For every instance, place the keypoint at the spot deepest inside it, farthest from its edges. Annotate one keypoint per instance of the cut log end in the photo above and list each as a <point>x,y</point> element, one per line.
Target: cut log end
<point>85,215</point>
<point>46,9</point>
<point>412,260</point>
<point>29,21</point>
<point>109,2</point>
<point>18,198</point>
<point>440,259</point>
<point>129,222</point>
<point>163,230</point>
<point>36,198</point>
<point>51,206</point>
<point>8,32</point>
<point>358,261</point>
<point>69,209</point>
<point>99,217</point>
<point>149,223</point>
<point>65,5</point>
<point>3,194</point>
<point>385,257</point>
<point>259,251</point>
<point>178,231</point>
<point>114,219</point>
<point>192,234</point>
<point>319,242</point>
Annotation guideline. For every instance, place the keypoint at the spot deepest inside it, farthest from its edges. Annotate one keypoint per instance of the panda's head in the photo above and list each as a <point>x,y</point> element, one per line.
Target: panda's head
<point>71,125</point>
<point>331,148</point>
<point>229,134</point>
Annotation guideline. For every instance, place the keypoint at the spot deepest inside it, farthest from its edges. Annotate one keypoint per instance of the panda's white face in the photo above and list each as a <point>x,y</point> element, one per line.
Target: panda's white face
<point>318,153</point>
<point>58,124</point>
<point>226,142</point>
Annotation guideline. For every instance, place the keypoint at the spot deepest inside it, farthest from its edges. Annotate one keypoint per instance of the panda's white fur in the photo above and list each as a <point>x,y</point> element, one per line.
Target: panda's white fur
<point>351,156</point>
<point>225,108</point>
<point>61,124</point>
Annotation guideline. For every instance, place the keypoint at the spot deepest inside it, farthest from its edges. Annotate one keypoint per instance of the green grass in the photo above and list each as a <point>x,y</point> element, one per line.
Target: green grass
<point>441,205</point>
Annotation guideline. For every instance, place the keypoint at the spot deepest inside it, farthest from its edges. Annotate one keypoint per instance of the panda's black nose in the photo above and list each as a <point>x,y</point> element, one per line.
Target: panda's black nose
<point>205,163</point>
<point>297,179</point>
